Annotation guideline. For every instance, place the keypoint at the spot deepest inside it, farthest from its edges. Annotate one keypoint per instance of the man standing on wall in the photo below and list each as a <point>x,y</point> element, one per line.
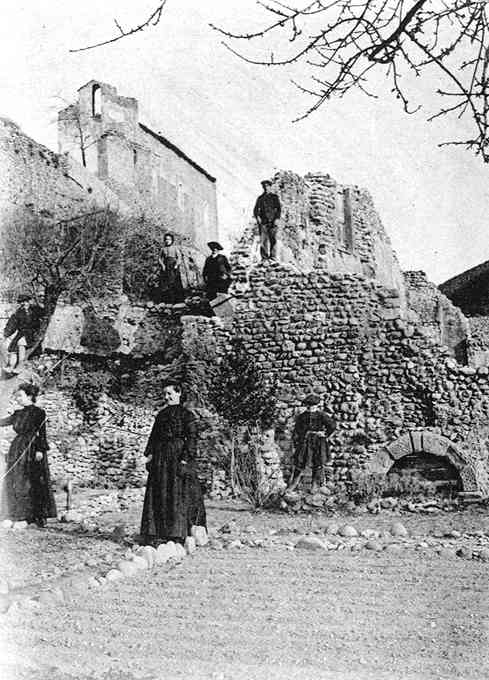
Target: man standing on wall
<point>217,271</point>
<point>267,213</point>
<point>311,447</point>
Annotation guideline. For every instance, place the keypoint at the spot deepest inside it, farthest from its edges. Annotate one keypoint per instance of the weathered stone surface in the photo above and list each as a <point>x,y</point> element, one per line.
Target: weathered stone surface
<point>19,526</point>
<point>164,552</point>
<point>310,543</point>
<point>398,530</point>
<point>179,551</point>
<point>347,531</point>
<point>374,545</point>
<point>127,567</point>
<point>139,562</point>
<point>190,545</point>
<point>200,535</point>
<point>114,575</point>
<point>148,553</point>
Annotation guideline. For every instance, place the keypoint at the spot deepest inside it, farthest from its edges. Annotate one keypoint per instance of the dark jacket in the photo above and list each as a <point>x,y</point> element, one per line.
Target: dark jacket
<point>267,208</point>
<point>216,269</point>
<point>24,323</point>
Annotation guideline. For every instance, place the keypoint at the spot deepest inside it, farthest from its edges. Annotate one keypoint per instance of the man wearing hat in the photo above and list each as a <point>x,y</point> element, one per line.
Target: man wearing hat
<point>217,271</point>
<point>267,212</point>
<point>21,332</point>
<point>310,438</point>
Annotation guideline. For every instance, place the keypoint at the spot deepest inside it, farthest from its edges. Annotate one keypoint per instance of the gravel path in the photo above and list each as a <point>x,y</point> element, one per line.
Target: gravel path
<point>267,614</point>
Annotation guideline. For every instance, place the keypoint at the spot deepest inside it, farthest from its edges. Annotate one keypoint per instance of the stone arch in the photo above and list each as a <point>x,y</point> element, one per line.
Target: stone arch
<point>424,441</point>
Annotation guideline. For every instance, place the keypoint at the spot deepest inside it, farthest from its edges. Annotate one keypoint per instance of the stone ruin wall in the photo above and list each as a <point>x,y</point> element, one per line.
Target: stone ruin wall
<point>381,367</point>
<point>380,375</point>
<point>441,320</point>
<point>38,184</point>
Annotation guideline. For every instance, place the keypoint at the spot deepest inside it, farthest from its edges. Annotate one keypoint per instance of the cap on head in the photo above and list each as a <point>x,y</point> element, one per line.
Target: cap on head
<point>23,298</point>
<point>214,245</point>
<point>312,400</point>
<point>266,182</point>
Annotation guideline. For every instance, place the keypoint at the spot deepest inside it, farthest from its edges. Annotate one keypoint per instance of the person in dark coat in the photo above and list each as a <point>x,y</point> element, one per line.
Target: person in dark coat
<point>173,502</point>
<point>310,438</point>
<point>21,331</point>
<point>217,272</point>
<point>170,259</point>
<point>267,212</point>
<point>27,493</point>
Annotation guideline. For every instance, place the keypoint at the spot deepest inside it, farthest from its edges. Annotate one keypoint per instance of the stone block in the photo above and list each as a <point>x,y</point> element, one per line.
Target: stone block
<point>190,545</point>
<point>200,535</point>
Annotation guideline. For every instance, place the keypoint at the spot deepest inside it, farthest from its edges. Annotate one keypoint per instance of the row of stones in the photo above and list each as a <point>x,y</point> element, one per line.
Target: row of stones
<point>346,537</point>
<point>136,560</point>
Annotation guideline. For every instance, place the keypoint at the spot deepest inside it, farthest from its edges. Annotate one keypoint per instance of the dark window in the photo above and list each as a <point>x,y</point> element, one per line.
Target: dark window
<point>347,231</point>
<point>96,101</point>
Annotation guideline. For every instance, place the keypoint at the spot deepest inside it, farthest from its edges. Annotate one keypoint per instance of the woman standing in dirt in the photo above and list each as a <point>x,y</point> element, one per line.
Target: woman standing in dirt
<point>27,493</point>
<point>173,502</point>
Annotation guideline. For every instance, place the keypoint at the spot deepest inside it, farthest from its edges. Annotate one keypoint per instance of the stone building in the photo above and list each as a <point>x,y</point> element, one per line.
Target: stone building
<point>388,352</point>
<point>470,292</point>
<point>157,179</point>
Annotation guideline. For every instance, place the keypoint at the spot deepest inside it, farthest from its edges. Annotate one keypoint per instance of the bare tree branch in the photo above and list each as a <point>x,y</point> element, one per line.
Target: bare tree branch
<point>342,43</point>
<point>152,20</point>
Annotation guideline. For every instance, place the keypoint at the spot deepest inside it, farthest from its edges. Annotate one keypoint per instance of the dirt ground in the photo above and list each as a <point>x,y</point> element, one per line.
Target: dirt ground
<point>260,613</point>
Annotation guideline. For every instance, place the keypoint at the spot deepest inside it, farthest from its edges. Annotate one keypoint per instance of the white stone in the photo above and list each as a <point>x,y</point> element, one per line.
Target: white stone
<point>6,524</point>
<point>180,552</point>
<point>164,552</point>
<point>347,531</point>
<point>140,562</point>
<point>200,535</point>
<point>114,575</point>
<point>20,525</point>
<point>399,530</point>
<point>127,567</point>
<point>148,553</point>
<point>311,543</point>
<point>190,545</point>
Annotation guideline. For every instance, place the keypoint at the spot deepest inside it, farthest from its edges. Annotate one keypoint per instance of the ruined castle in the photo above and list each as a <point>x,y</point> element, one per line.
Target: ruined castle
<point>391,355</point>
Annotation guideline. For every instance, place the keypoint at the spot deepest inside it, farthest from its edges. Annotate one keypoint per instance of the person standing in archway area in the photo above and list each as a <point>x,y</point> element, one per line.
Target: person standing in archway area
<point>312,430</point>
<point>173,501</point>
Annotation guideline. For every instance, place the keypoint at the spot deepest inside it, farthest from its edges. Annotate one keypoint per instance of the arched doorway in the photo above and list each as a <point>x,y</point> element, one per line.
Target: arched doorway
<point>434,457</point>
<point>426,467</point>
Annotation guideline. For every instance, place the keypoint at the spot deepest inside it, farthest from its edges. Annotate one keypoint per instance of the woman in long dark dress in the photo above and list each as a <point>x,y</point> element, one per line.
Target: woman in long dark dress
<point>171,287</point>
<point>173,502</point>
<point>27,493</point>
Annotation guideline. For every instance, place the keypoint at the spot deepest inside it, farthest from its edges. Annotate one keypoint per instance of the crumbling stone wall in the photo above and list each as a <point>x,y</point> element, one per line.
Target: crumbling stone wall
<point>330,226</point>
<point>37,181</point>
<point>478,350</point>
<point>436,314</point>
<point>380,375</point>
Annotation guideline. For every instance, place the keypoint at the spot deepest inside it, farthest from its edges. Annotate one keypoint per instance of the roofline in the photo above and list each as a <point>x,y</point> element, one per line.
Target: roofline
<point>177,151</point>
<point>464,278</point>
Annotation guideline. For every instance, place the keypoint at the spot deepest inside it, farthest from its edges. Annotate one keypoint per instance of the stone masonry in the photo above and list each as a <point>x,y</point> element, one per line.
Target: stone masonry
<point>336,316</point>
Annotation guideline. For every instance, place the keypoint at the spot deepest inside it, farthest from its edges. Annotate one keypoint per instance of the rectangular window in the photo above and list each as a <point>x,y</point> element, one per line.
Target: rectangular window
<point>346,224</point>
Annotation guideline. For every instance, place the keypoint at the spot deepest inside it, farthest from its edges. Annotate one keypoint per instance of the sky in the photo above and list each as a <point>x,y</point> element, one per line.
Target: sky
<point>235,119</point>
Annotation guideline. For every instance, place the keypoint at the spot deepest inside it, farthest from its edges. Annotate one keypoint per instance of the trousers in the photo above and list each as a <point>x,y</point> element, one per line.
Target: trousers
<point>268,240</point>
